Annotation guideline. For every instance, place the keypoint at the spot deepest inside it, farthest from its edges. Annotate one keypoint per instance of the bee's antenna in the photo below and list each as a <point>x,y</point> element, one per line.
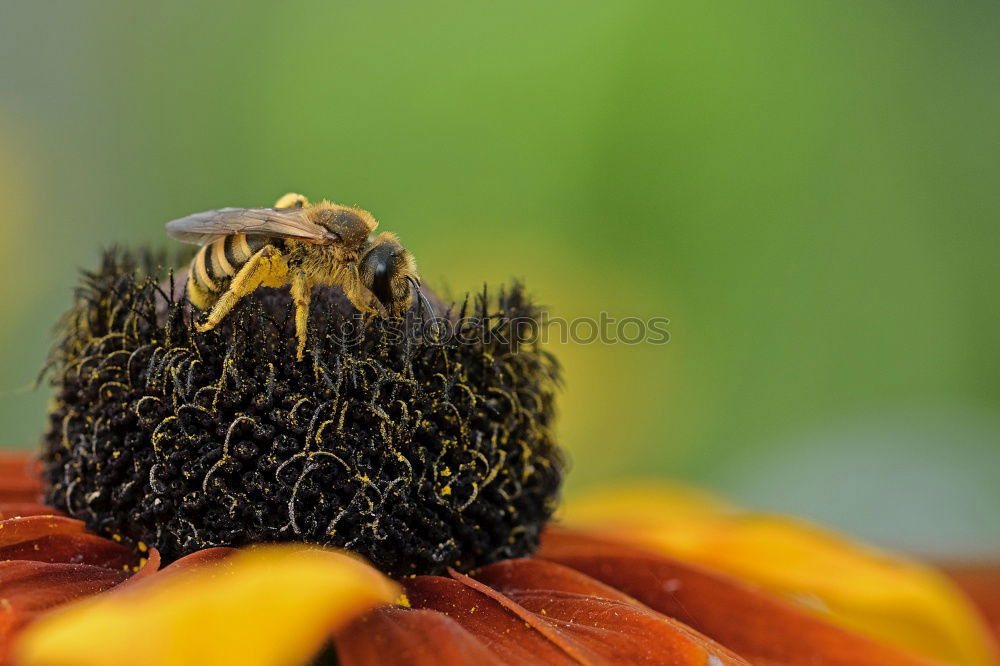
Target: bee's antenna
<point>425,305</point>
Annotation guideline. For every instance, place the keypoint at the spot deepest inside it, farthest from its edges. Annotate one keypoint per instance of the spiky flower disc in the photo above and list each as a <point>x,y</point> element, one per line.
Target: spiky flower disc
<point>418,452</point>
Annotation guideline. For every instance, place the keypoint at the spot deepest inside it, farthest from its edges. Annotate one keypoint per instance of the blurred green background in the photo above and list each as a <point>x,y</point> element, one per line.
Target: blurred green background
<point>808,190</point>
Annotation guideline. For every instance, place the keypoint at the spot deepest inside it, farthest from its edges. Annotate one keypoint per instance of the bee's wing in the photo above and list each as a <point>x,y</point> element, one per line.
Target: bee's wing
<point>202,228</point>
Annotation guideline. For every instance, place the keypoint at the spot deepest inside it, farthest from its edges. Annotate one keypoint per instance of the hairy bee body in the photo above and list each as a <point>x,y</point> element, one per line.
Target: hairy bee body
<point>296,245</point>
<point>217,263</point>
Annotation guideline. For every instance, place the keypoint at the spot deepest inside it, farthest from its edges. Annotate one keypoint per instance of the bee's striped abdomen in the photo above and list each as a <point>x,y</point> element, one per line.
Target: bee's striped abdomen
<point>217,263</point>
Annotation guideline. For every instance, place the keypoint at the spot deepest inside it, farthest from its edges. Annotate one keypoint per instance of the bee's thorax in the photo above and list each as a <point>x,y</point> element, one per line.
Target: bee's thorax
<point>323,264</point>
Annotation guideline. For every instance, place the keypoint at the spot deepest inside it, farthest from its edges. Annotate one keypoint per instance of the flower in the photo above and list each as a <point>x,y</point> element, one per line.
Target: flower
<point>209,500</point>
<point>415,449</point>
<point>584,598</point>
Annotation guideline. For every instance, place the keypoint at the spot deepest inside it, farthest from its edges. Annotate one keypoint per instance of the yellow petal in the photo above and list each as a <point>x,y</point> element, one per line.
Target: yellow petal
<point>890,598</point>
<point>270,606</point>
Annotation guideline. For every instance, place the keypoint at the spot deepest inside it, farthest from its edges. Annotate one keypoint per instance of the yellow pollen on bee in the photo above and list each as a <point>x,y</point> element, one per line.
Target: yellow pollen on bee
<point>198,264</point>
<point>242,247</point>
<point>219,258</point>
<point>446,491</point>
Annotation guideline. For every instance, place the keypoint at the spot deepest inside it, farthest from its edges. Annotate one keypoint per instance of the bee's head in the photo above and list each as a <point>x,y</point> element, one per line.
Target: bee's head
<point>351,225</point>
<point>390,272</point>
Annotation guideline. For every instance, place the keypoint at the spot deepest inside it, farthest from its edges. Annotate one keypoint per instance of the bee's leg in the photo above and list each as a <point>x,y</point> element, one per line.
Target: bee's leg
<point>301,294</point>
<point>259,267</point>
<point>361,296</point>
<point>292,200</point>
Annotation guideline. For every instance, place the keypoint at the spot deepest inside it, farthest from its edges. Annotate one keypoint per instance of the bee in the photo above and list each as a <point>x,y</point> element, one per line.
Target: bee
<point>299,245</point>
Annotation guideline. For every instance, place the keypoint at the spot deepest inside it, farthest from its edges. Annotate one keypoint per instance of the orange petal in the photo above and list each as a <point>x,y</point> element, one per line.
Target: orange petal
<point>16,530</point>
<point>28,588</point>
<point>18,465</point>
<point>887,597</point>
<point>265,606</point>
<point>33,586</point>
<point>20,492</point>
<point>71,549</point>
<point>200,558</point>
<point>604,620</point>
<point>146,570</point>
<point>582,623</point>
<point>393,635</point>
<point>510,638</point>
<point>981,582</point>
<point>21,509</point>
<point>190,562</point>
<point>48,561</point>
<point>19,477</point>
<point>761,628</point>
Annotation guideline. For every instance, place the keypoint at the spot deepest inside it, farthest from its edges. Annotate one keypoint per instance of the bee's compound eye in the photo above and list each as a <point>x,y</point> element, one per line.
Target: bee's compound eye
<point>381,285</point>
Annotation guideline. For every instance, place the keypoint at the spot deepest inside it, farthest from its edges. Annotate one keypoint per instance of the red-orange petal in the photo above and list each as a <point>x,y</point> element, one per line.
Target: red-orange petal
<point>513,641</point>
<point>70,549</point>
<point>48,560</point>
<point>552,615</point>
<point>19,478</point>
<point>200,558</point>
<point>151,569</point>
<point>266,605</point>
<point>18,465</point>
<point>981,582</point>
<point>604,620</point>
<point>29,588</point>
<point>39,585</point>
<point>22,509</point>
<point>761,628</point>
<point>20,492</point>
<point>16,530</point>
<point>148,568</point>
<point>393,635</point>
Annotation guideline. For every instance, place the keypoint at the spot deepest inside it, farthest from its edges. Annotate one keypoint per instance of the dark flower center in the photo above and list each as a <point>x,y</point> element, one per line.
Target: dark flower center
<point>417,451</point>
